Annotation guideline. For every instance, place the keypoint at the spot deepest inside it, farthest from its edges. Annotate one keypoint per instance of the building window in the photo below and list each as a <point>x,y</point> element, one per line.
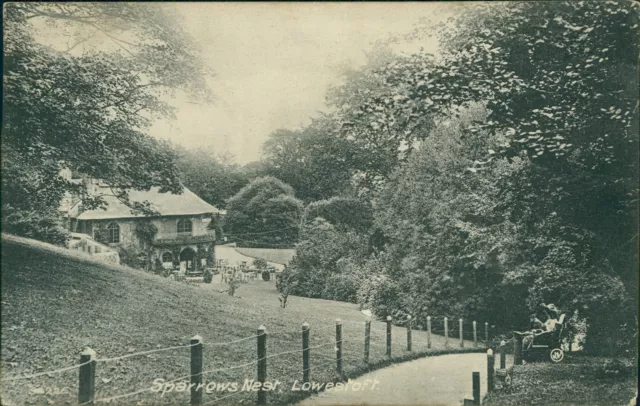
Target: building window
<point>185,226</point>
<point>167,257</point>
<point>113,233</point>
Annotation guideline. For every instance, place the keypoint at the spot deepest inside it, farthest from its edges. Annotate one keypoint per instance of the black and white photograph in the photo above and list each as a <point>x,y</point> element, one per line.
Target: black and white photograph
<point>320,203</point>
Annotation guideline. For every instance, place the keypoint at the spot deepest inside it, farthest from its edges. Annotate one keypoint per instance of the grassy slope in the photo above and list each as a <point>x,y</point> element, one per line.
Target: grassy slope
<point>55,303</point>
<point>572,382</point>
<point>279,256</point>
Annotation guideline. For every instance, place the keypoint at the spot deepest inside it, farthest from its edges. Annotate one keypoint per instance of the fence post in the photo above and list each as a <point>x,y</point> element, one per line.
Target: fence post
<point>87,376</point>
<point>461,336</point>
<point>428,331</point>
<point>196,370</point>
<point>367,339</point>
<point>503,358</point>
<point>409,334</point>
<point>305,352</point>
<point>262,364</point>
<point>486,333</point>
<point>517,350</point>
<point>476,387</point>
<point>388,336</point>
<point>339,347</point>
<point>446,332</point>
<point>475,334</point>
<point>490,370</point>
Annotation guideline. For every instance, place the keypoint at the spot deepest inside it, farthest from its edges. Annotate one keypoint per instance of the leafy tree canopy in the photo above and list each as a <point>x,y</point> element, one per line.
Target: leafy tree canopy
<point>87,107</point>
<point>315,161</point>
<point>264,213</point>
<point>213,177</point>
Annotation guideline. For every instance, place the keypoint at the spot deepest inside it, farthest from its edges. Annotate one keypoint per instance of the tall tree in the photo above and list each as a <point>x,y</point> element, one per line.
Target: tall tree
<point>315,161</point>
<point>213,177</point>
<point>559,80</point>
<point>264,213</point>
<point>87,107</point>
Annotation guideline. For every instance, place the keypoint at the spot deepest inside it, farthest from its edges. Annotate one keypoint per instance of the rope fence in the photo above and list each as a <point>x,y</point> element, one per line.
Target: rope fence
<point>353,342</point>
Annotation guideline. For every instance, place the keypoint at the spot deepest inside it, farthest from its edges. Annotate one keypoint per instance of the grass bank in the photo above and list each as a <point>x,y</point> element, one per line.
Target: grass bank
<point>578,380</point>
<point>55,303</point>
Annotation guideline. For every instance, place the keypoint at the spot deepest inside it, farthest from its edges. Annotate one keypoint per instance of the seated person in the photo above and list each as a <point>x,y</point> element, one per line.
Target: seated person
<point>541,328</point>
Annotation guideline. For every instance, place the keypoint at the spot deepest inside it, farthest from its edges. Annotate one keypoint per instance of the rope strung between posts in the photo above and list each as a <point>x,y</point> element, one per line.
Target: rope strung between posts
<point>110,359</point>
<point>55,371</point>
<point>231,342</point>
<point>135,354</point>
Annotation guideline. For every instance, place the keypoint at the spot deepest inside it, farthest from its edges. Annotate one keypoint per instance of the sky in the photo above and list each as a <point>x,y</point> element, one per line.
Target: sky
<point>274,63</point>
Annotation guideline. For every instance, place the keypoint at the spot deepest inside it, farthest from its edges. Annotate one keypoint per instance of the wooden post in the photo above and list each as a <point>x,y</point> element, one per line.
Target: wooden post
<point>305,352</point>
<point>87,376</point>
<point>517,350</point>
<point>409,334</point>
<point>446,332</point>
<point>262,364</point>
<point>460,331</point>
<point>475,334</point>
<point>196,370</point>
<point>503,358</point>
<point>367,339</point>
<point>486,333</point>
<point>428,331</point>
<point>339,347</point>
<point>476,387</point>
<point>388,336</point>
<point>490,370</point>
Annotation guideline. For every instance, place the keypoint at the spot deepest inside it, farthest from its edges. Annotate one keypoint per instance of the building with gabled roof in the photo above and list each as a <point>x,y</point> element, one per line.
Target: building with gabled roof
<point>178,237</point>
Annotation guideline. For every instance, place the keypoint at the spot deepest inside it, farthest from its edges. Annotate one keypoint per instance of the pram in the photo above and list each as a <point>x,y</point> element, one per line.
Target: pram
<point>547,344</point>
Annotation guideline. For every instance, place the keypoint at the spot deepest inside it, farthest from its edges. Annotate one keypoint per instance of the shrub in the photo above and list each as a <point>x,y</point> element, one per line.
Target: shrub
<point>132,257</point>
<point>381,295</point>
<point>32,224</point>
<point>266,275</point>
<point>343,287</point>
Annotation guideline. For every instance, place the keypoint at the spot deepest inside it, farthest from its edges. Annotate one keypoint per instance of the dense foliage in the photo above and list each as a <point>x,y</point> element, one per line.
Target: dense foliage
<point>264,213</point>
<point>502,172</point>
<point>314,161</point>
<point>345,213</point>
<point>86,106</point>
<point>212,177</point>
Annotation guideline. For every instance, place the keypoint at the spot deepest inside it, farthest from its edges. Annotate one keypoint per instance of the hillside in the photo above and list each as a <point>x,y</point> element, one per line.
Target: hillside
<point>56,302</point>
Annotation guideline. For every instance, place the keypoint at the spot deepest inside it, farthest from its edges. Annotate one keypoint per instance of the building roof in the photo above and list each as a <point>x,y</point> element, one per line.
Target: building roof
<point>167,204</point>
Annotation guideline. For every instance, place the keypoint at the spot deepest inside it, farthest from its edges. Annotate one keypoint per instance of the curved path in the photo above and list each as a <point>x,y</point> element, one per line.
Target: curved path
<point>434,381</point>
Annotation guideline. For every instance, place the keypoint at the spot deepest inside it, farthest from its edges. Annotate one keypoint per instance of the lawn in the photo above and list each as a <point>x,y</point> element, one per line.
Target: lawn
<point>56,302</point>
<point>575,381</point>
<point>279,256</point>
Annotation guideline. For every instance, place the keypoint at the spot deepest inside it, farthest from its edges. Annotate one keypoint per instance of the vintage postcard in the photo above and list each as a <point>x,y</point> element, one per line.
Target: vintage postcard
<point>320,203</point>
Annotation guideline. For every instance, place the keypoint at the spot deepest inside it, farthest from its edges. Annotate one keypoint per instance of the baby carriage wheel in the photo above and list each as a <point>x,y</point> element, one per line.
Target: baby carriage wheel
<point>556,355</point>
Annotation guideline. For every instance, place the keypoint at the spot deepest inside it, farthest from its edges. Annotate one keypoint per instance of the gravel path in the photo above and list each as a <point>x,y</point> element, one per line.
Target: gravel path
<point>435,381</point>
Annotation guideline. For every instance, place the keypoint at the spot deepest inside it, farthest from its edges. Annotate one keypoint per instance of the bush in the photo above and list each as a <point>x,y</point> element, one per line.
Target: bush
<point>207,277</point>
<point>382,296</point>
<point>343,287</point>
<point>32,224</point>
<point>266,275</point>
<point>132,257</point>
